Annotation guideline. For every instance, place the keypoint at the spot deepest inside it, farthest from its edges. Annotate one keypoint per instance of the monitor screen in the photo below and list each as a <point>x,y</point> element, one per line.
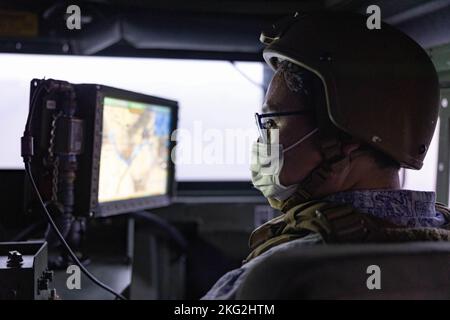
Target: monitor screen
<point>100,150</point>
<point>132,167</point>
<point>135,150</point>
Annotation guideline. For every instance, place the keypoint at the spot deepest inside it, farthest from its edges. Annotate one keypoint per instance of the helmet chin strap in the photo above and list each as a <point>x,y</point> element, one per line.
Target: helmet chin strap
<point>334,161</point>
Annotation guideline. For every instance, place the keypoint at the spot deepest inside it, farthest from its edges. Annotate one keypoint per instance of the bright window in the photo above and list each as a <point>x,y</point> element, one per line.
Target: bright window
<point>425,179</point>
<point>217,102</point>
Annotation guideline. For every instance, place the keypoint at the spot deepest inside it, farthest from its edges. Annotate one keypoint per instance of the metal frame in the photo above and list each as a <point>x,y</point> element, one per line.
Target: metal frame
<point>102,209</point>
<point>443,181</point>
<point>441,59</point>
<point>262,126</point>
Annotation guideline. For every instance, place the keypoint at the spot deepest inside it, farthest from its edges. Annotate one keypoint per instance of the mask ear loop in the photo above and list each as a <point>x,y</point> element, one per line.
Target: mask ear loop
<point>301,140</point>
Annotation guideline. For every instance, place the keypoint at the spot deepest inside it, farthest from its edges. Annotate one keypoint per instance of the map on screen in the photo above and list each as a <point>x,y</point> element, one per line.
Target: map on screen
<point>135,150</point>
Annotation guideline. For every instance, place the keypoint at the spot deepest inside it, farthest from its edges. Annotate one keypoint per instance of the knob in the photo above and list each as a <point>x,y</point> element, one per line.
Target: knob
<point>15,259</point>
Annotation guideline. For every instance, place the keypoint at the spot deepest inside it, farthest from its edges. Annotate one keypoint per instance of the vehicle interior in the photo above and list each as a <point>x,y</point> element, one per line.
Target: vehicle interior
<point>194,67</point>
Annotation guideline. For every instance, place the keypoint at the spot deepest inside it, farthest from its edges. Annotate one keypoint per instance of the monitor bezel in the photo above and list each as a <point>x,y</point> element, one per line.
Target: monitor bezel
<point>103,209</point>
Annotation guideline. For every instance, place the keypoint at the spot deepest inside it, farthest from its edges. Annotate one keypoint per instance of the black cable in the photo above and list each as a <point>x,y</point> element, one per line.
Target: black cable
<point>63,241</point>
<point>27,153</point>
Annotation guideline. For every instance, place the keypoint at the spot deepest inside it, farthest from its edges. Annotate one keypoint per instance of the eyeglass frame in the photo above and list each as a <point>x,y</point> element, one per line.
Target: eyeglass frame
<point>260,125</point>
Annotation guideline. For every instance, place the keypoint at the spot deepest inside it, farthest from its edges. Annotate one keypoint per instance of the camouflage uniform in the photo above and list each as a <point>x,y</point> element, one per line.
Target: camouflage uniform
<point>348,217</point>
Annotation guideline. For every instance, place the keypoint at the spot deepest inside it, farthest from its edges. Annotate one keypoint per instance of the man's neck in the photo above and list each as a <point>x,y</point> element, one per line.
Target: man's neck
<point>377,180</point>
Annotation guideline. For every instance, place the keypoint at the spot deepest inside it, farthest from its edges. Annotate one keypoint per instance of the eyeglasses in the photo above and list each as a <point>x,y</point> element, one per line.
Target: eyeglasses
<point>265,122</point>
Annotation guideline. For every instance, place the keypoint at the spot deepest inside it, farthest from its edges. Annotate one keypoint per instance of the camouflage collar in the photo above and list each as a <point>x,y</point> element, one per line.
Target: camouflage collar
<point>406,208</point>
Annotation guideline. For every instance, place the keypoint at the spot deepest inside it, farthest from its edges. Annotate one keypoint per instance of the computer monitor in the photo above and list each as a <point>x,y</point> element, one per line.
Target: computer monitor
<point>116,144</point>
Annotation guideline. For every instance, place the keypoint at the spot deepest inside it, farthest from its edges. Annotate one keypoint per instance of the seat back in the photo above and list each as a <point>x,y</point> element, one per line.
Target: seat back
<point>415,270</point>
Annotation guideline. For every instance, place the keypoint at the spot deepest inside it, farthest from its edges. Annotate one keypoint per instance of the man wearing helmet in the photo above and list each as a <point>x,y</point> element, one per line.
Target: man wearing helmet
<point>346,109</point>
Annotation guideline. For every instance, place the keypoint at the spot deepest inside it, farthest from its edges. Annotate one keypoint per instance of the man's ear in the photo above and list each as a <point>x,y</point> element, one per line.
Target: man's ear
<point>347,149</point>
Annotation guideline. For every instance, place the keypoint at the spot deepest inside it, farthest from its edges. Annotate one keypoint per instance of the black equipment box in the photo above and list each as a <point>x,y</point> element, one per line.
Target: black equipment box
<point>23,271</point>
